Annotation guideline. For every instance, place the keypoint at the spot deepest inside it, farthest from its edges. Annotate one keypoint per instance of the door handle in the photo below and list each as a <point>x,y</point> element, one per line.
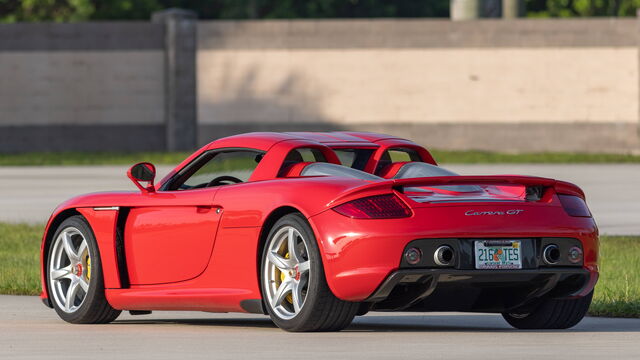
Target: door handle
<point>203,209</point>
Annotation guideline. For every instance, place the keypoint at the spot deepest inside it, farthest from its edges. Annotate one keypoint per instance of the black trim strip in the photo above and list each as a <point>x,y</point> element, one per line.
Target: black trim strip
<point>253,306</point>
<point>47,302</point>
<point>123,270</point>
<point>471,276</point>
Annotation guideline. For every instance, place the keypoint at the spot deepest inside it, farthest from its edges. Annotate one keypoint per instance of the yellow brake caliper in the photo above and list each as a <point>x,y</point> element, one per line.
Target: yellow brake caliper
<point>289,297</point>
<point>88,268</point>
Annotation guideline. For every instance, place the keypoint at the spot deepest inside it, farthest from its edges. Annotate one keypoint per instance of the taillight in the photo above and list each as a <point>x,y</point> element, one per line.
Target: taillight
<point>574,205</point>
<point>375,207</point>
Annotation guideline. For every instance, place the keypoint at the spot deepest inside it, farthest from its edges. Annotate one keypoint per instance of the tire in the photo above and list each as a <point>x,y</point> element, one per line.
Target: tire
<point>295,291</point>
<point>552,314</point>
<point>74,275</point>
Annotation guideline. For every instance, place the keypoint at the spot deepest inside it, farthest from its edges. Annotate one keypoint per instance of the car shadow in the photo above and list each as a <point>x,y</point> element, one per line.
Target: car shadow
<point>479,323</point>
<point>409,323</point>
<point>219,322</point>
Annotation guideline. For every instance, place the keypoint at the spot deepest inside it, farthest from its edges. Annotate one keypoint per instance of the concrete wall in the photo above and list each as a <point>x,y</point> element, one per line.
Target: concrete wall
<point>524,85</point>
<point>81,87</point>
<point>508,85</point>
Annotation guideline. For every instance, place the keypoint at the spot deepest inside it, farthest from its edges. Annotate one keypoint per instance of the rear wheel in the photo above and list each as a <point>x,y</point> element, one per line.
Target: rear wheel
<point>551,314</point>
<point>74,275</point>
<point>294,287</point>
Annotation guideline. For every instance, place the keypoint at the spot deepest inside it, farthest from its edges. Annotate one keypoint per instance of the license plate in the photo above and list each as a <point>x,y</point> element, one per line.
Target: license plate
<point>498,254</point>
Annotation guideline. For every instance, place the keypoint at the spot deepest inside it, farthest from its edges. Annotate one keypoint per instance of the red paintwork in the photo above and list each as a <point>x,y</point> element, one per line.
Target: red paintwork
<point>389,171</point>
<point>183,254</point>
<point>168,232</point>
<point>295,169</point>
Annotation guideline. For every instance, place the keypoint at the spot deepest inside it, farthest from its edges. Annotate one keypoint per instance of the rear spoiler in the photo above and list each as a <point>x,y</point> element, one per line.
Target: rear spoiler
<point>560,187</point>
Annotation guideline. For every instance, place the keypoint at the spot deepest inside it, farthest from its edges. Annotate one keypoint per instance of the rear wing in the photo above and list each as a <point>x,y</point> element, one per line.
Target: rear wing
<point>399,185</point>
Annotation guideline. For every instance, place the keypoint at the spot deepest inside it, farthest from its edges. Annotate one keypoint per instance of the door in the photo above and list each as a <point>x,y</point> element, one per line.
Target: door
<point>171,237</point>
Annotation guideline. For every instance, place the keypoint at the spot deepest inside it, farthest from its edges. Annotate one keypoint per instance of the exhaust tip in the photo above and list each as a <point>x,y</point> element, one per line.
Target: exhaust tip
<point>551,254</point>
<point>443,256</point>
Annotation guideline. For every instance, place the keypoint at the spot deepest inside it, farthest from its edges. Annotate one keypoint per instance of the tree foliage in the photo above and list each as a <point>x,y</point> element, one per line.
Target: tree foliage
<point>581,8</point>
<point>84,10</point>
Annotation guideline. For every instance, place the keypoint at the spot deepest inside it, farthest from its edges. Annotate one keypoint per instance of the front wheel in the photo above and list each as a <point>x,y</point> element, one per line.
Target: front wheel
<point>294,288</point>
<point>74,275</point>
<point>551,314</point>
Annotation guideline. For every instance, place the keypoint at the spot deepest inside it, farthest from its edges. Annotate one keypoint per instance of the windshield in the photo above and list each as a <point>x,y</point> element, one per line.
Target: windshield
<point>327,169</point>
<point>419,169</point>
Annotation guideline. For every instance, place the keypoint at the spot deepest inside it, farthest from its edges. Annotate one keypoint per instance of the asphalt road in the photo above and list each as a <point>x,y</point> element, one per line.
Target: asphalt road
<point>28,330</point>
<point>29,194</point>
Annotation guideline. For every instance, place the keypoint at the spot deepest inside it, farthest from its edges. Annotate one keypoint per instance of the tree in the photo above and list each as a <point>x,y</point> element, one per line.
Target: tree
<point>578,8</point>
<point>82,10</point>
<point>45,10</point>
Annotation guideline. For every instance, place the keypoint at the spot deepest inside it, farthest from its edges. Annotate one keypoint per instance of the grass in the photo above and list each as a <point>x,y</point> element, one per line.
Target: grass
<point>473,157</point>
<point>173,158</point>
<point>91,158</point>
<point>20,259</point>
<point>618,290</point>
<point>617,293</point>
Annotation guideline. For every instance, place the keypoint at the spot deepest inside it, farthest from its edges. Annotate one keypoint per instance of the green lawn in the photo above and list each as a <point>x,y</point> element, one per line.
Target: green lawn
<point>173,158</point>
<point>617,293</point>
<point>20,259</point>
<point>618,290</point>
<point>473,157</point>
<point>92,158</point>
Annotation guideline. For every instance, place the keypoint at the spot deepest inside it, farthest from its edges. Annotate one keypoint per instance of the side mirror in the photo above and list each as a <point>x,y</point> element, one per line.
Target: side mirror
<point>143,172</point>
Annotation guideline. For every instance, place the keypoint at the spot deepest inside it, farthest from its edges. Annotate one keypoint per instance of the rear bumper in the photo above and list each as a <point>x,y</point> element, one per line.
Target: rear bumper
<point>478,290</point>
<point>360,254</point>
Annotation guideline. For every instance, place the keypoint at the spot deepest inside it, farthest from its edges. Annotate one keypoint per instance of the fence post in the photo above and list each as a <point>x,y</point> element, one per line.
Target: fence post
<point>512,9</point>
<point>474,9</point>
<point>180,77</point>
<point>464,9</point>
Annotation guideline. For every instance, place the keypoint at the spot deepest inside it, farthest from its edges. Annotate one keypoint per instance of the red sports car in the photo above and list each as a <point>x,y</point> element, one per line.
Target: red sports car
<point>316,228</point>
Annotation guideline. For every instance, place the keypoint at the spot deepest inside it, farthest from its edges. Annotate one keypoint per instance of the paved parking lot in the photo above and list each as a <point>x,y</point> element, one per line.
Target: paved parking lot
<point>29,194</point>
<point>28,330</point>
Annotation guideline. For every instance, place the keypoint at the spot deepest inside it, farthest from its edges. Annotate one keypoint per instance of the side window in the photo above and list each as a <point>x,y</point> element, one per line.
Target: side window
<point>219,168</point>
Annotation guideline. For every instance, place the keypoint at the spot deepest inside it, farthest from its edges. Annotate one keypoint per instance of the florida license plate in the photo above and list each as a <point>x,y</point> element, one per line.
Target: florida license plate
<point>498,254</point>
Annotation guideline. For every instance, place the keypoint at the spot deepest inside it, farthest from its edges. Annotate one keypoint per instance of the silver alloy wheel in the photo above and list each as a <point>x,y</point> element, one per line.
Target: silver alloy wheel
<point>69,270</point>
<point>286,272</point>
